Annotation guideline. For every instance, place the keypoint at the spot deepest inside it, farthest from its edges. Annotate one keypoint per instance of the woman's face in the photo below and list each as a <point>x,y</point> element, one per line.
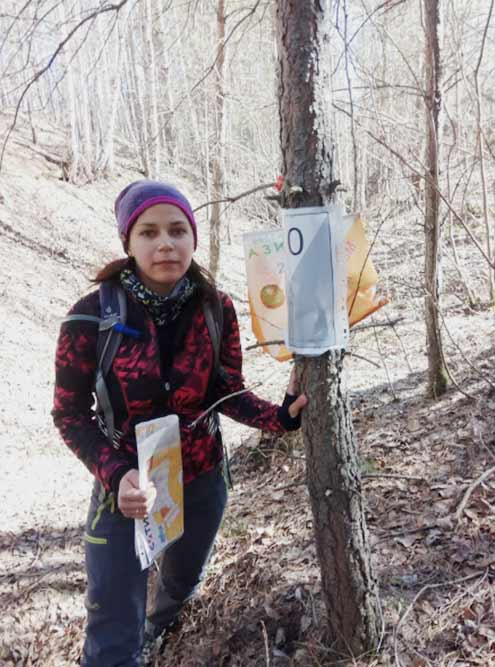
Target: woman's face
<point>162,244</point>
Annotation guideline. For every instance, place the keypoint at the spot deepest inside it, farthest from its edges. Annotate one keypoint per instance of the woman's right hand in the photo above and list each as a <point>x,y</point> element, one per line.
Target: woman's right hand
<point>133,502</point>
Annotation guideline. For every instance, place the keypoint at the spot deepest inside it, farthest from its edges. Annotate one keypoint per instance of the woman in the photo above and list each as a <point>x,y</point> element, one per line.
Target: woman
<point>165,370</point>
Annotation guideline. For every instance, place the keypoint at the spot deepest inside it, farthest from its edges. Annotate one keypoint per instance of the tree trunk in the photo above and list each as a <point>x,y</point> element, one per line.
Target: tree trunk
<point>154,126</point>
<point>84,112</point>
<point>217,148</point>
<point>74,150</point>
<point>348,584</point>
<point>139,86</point>
<point>352,127</point>
<point>489,227</point>
<point>437,377</point>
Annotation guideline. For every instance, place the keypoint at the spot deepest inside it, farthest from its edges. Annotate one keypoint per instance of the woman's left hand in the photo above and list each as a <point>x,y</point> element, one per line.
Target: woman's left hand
<point>298,405</point>
<point>293,389</point>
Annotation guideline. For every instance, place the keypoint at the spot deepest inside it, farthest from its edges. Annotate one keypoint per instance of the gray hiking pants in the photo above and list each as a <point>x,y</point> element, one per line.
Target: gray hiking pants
<point>116,595</point>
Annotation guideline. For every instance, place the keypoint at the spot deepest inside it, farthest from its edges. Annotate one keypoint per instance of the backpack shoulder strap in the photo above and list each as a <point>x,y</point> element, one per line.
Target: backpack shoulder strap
<point>111,328</point>
<point>113,311</point>
<point>213,312</point>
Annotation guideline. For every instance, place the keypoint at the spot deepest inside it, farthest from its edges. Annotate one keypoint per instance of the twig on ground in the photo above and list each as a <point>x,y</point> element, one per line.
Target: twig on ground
<point>262,451</point>
<point>267,646</point>
<point>372,475</point>
<point>368,476</point>
<point>469,491</point>
<point>408,531</point>
<point>453,582</point>
<point>26,593</point>
<point>477,432</point>
<point>446,363</point>
<point>464,357</point>
<point>469,590</point>
<point>313,608</point>
<point>290,486</point>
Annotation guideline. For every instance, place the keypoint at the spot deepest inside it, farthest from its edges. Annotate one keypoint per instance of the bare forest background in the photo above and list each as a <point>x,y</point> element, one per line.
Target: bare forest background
<point>94,94</point>
<point>189,88</point>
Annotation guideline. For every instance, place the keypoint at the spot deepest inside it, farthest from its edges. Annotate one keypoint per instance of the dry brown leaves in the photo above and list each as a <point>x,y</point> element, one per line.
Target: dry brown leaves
<point>262,600</point>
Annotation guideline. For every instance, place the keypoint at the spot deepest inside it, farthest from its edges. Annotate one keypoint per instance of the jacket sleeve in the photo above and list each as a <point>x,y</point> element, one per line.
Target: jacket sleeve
<point>73,414</point>
<point>246,408</point>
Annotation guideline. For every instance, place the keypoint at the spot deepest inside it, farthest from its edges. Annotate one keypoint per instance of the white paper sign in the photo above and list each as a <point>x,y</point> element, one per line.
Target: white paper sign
<point>315,279</point>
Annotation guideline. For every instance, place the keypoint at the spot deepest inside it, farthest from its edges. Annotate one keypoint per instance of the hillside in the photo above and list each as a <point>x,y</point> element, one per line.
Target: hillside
<point>430,512</point>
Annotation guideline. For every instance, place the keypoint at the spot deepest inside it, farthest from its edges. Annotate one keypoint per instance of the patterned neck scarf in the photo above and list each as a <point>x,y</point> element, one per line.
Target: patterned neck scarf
<point>162,309</point>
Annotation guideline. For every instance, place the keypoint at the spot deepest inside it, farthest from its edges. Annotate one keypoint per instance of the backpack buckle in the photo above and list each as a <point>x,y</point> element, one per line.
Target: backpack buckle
<point>109,322</point>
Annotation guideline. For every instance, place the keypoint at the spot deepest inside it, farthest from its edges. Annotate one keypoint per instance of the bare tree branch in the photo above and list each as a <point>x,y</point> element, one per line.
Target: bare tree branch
<point>233,199</point>
<point>53,57</point>
<point>425,178</point>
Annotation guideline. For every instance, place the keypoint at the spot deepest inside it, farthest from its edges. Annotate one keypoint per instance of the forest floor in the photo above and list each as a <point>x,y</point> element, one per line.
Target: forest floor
<point>427,465</point>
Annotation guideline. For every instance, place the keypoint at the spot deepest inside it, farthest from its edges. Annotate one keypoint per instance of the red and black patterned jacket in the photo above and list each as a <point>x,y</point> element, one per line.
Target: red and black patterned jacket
<point>144,386</point>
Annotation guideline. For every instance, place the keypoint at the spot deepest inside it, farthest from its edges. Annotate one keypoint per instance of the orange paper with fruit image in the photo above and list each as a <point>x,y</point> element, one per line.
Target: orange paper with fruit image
<point>362,277</point>
<point>264,253</point>
<point>265,268</point>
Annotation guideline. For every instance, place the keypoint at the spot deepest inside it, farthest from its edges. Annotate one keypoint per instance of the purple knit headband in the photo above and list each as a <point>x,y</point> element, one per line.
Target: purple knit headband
<point>140,195</point>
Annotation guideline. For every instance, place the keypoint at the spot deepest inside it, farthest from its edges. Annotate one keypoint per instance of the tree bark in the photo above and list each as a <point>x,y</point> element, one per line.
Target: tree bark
<point>217,176</point>
<point>489,226</point>
<point>139,83</point>
<point>437,376</point>
<point>349,586</point>
<point>152,93</point>
<point>74,148</point>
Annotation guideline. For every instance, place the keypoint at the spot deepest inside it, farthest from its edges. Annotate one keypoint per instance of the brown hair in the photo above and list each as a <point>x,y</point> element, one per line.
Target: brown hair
<point>199,275</point>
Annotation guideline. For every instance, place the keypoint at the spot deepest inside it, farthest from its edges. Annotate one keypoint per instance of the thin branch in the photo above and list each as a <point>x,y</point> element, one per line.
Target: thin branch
<point>452,582</point>
<point>377,325</point>
<point>401,342</point>
<point>210,69</point>
<point>358,356</point>
<point>464,356</point>
<point>282,342</point>
<point>267,646</point>
<point>386,4</point>
<point>233,199</point>
<point>53,57</point>
<point>465,499</point>
<point>226,40</point>
<point>384,364</point>
<point>221,400</point>
<point>483,40</point>
<point>268,342</point>
<point>427,179</point>
<point>16,18</point>
<point>476,432</point>
<point>378,475</point>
